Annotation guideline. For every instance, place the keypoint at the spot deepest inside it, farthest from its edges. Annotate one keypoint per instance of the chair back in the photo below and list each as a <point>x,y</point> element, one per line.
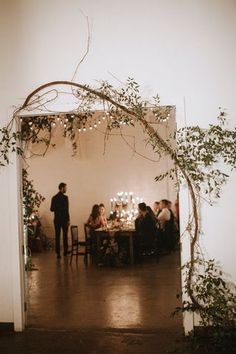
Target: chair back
<point>74,234</point>
<point>87,232</point>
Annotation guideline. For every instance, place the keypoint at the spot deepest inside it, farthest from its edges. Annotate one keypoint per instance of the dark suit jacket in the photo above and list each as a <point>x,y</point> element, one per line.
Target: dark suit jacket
<point>60,207</point>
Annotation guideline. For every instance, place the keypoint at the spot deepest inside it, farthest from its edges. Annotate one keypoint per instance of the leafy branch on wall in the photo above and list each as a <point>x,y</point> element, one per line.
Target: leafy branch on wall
<point>32,199</point>
<point>196,155</point>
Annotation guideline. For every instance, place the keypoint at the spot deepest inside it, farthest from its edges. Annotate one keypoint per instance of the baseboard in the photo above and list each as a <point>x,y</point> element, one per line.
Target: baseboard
<point>7,326</point>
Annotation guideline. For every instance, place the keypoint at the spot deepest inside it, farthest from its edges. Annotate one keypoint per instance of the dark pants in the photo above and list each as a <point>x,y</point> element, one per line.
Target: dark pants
<point>58,226</point>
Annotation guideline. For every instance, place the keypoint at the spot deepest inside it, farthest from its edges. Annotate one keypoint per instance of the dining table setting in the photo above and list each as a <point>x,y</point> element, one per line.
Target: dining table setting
<point>107,238</point>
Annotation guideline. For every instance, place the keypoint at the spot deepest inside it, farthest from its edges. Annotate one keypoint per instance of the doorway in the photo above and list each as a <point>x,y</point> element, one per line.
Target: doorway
<point>100,169</point>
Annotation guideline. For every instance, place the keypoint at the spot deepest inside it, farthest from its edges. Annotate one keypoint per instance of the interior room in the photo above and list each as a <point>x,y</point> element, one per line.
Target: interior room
<point>122,166</point>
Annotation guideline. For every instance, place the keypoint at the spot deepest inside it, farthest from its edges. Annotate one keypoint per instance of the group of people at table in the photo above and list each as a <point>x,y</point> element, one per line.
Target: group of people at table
<point>155,229</point>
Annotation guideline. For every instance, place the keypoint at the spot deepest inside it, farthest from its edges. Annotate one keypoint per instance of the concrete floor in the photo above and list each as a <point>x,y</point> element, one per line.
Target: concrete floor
<point>76,296</point>
<point>92,310</point>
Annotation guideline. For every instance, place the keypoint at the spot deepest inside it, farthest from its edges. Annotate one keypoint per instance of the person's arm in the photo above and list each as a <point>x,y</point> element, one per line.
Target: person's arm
<point>67,209</point>
<point>52,208</point>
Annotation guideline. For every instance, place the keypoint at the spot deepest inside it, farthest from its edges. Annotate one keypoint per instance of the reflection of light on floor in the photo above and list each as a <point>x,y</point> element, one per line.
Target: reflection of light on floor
<point>124,306</point>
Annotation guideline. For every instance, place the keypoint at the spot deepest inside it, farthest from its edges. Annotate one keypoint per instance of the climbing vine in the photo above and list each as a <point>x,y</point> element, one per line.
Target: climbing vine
<point>196,156</point>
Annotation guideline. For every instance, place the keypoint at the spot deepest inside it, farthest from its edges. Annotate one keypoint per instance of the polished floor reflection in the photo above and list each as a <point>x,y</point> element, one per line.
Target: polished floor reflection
<point>76,296</point>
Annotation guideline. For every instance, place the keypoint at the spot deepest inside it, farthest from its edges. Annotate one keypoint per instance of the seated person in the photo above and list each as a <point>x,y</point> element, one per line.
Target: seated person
<point>95,220</point>
<point>146,230</point>
<point>164,214</point>
<point>156,208</point>
<point>166,226</point>
<point>102,213</point>
<point>150,211</point>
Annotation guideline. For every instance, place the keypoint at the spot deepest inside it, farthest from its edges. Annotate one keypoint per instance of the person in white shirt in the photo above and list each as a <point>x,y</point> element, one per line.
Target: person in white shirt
<point>164,214</point>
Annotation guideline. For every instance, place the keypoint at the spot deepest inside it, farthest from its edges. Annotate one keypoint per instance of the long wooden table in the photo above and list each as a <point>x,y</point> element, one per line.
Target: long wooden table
<point>124,232</point>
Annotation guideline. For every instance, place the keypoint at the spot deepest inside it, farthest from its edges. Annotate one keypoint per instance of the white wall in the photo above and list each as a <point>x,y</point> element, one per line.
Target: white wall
<point>180,49</point>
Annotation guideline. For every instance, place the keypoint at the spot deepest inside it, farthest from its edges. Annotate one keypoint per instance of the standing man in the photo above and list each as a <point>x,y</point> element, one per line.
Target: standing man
<point>60,207</point>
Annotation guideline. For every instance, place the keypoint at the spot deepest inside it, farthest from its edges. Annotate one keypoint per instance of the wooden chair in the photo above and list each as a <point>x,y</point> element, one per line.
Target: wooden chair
<point>74,242</point>
<point>88,240</point>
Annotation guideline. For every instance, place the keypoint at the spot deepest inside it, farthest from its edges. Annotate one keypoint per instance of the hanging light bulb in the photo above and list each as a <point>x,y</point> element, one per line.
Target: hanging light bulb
<point>84,129</point>
<point>99,122</point>
<point>90,127</point>
<point>95,125</point>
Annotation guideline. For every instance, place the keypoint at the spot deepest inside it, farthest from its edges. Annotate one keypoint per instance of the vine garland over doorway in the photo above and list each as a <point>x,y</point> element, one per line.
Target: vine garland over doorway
<point>195,155</point>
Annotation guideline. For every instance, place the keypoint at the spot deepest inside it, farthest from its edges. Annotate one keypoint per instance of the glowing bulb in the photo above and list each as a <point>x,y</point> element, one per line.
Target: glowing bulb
<point>90,127</point>
<point>95,125</point>
<point>99,122</point>
<point>84,129</point>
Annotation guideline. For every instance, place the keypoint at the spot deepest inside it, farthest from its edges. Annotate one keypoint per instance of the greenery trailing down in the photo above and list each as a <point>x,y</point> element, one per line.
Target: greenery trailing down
<point>31,198</point>
<point>201,154</point>
<point>208,341</point>
<point>213,292</point>
<point>216,305</point>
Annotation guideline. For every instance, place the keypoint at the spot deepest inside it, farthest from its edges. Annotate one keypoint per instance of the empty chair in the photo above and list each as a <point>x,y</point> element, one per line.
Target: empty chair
<point>74,242</point>
<point>89,241</point>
